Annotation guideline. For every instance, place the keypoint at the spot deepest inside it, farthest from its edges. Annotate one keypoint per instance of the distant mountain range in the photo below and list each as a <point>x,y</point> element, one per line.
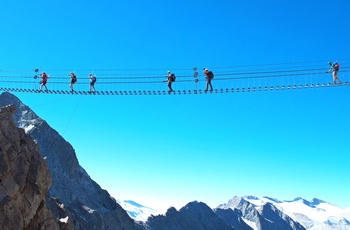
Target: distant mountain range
<point>250,212</point>
<point>90,207</point>
<point>253,213</point>
<point>315,214</point>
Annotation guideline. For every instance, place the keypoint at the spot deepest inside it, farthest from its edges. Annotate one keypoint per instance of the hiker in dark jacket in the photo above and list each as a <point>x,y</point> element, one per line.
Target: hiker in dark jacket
<point>208,77</point>
<point>170,79</point>
<point>92,82</point>
<point>73,79</point>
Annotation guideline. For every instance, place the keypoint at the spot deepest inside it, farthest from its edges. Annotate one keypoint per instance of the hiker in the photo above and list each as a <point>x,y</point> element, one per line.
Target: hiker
<point>73,79</point>
<point>92,82</point>
<point>43,82</point>
<point>335,69</point>
<point>170,79</point>
<point>209,76</point>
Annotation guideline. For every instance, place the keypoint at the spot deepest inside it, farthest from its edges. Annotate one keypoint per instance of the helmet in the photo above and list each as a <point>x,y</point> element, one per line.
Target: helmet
<point>168,71</point>
<point>205,69</point>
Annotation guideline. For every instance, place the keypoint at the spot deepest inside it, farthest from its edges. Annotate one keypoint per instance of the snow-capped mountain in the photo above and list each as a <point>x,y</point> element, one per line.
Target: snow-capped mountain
<point>264,216</point>
<point>257,213</point>
<point>313,215</point>
<point>137,211</point>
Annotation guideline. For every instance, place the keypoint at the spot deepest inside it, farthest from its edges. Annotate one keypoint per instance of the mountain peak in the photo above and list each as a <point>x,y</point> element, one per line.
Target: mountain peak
<point>298,198</point>
<point>233,203</point>
<point>316,201</point>
<point>171,212</point>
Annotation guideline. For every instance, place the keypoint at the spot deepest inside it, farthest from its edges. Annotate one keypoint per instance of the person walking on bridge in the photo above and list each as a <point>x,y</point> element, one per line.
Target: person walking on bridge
<point>334,69</point>
<point>208,76</point>
<point>73,80</point>
<point>92,82</point>
<point>170,79</point>
<point>43,82</point>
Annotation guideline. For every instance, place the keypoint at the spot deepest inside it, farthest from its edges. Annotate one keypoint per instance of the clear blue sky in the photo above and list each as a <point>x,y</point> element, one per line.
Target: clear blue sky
<point>164,151</point>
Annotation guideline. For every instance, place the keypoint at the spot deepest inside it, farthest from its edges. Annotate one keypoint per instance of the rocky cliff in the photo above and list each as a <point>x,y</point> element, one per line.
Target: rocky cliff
<point>24,179</point>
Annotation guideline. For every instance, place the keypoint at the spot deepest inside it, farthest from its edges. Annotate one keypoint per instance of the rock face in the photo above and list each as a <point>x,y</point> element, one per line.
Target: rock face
<point>24,179</point>
<point>88,206</point>
<point>233,218</point>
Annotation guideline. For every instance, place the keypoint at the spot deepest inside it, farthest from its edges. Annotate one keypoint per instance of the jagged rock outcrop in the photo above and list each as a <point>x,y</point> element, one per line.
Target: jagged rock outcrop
<point>88,206</point>
<point>195,215</point>
<point>24,179</point>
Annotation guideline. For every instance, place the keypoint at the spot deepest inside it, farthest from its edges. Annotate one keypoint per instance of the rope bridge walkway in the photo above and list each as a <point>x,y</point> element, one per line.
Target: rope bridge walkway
<point>253,78</point>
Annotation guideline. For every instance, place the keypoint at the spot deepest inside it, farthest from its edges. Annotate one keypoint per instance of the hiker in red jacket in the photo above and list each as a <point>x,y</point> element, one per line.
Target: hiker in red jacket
<point>43,82</point>
<point>208,76</point>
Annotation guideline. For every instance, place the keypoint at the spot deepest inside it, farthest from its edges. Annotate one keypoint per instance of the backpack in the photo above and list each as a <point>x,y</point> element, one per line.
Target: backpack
<point>336,66</point>
<point>211,75</point>
<point>74,79</point>
<point>172,77</point>
<point>93,79</point>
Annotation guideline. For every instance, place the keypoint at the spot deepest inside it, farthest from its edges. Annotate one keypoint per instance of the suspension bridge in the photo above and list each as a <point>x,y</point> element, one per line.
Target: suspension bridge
<point>231,79</point>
